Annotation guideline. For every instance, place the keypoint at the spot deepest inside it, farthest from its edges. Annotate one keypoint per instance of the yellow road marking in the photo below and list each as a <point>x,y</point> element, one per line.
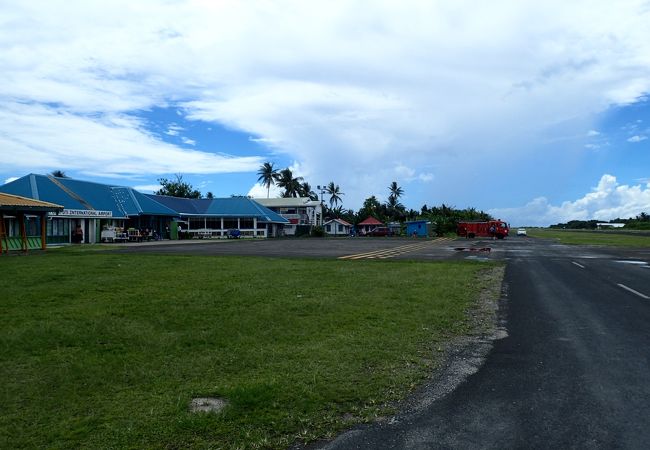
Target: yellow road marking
<point>395,251</point>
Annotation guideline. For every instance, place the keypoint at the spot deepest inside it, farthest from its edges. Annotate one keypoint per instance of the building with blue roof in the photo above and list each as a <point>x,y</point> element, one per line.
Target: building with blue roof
<point>215,217</point>
<point>94,210</point>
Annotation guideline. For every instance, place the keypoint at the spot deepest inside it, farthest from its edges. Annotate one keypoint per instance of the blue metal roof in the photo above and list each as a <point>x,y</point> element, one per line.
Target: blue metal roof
<point>127,202</point>
<point>77,194</point>
<point>39,187</point>
<point>219,207</point>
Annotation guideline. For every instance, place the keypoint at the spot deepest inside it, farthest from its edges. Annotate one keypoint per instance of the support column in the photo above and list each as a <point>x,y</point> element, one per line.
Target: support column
<point>3,235</point>
<point>254,227</point>
<point>23,232</point>
<point>43,231</point>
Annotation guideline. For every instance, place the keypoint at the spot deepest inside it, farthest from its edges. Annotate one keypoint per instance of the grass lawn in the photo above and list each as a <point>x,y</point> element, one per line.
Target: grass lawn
<point>106,350</point>
<point>592,238</point>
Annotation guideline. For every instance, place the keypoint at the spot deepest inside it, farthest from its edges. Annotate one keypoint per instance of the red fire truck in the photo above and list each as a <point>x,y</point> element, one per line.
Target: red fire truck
<point>493,228</point>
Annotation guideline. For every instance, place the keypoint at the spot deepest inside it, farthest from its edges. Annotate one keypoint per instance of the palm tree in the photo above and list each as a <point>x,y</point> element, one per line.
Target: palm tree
<point>267,176</point>
<point>393,203</point>
<point>395,191</point>
<point>337,212</point>
<point>306,191</point>
<point>291,185</point>
<point>335,193</point>
<point>58,174</point>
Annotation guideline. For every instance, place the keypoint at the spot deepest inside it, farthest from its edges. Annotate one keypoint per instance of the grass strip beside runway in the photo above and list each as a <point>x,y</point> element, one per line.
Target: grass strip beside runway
<point>615,238</point>
<point>107,350</point>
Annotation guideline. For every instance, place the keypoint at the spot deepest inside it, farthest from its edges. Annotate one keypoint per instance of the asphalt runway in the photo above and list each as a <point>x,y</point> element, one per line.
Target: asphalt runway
<point>344,248</point>
<point>572,371</point>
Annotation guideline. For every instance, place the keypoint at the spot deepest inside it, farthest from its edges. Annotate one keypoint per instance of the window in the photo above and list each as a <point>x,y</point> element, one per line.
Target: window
<point>340,228</point>
<point>246,224</point>
<point>58,227</point>
<point>328,228</point>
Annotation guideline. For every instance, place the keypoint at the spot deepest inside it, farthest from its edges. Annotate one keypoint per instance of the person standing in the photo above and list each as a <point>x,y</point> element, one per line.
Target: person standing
<point>78,235</point>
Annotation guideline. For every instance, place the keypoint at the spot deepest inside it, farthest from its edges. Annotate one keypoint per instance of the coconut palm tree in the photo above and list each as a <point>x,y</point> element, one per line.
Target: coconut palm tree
<point>335,193</point>
<point>291,185</point>
<point>307,191</point>
<point>337,212</point>
<point>267,176</point>
<point>395,191</point>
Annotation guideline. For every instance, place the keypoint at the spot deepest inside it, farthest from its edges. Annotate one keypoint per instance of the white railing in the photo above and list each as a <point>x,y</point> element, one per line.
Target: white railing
<point>210,233</point>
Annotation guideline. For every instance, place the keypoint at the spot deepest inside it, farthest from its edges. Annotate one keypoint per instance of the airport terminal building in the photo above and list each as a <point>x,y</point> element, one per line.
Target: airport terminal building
<point>93,212</point>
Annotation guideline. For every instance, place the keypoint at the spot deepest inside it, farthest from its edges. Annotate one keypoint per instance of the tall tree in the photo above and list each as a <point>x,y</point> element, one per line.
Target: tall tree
<point>371,207</point>
<point>337,212</point>
<point>267,176</point>
<point>58,174</point>
<point>289,183</point>
<point>395,191</point>
<point>177,188</point>
<point>307,191</point>
<point>335,193</point>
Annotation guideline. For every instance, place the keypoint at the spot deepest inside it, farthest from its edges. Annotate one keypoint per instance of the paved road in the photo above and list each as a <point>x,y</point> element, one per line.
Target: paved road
<point>573,372</point>
<point>353,248</point>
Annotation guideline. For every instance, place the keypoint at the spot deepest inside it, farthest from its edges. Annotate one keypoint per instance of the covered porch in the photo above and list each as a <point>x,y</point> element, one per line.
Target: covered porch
<point>23,223</point>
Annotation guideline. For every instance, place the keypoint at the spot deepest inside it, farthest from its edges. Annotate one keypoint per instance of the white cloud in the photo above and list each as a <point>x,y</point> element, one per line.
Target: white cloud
<point>188,141</point>
<point>35,137</point>
<point>592,133</point>
<point>426,177</point>
<point>348,89</point>
<point>259,191</point>
<point>404,172</point>
<point>174,130</point>
<point>609,200</point>
<point>592,146</point>
<point>10,179</point>
<point>637,138</point>
<point>147,188</point>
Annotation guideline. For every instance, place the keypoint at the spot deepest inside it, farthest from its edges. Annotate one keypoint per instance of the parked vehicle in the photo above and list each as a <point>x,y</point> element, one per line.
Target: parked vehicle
<point>521,232</point>
<point>493,228</point>
<point>234,234</point>
<point>380,231</point>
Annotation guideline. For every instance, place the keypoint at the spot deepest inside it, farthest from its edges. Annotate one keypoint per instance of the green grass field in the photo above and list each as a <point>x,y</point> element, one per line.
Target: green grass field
<point>592,238</point>
<point>102,350</point>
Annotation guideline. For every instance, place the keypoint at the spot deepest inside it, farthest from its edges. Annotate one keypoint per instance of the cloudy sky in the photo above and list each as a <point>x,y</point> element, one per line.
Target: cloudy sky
<point>535,111</point>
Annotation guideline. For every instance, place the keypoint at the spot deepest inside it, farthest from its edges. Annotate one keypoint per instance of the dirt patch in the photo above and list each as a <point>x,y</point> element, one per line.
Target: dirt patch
<point>207,405</point>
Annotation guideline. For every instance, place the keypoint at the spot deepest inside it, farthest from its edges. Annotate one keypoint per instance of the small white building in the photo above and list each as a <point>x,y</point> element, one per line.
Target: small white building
<point>297,210</point>
<point>337,227</point>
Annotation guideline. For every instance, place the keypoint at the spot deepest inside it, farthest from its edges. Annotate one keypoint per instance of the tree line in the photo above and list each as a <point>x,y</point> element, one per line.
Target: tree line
<point>444,217</point>
<point>640,222</point>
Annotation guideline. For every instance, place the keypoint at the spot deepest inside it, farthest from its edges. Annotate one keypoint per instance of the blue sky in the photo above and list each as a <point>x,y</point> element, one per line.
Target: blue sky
<point>534,111</point>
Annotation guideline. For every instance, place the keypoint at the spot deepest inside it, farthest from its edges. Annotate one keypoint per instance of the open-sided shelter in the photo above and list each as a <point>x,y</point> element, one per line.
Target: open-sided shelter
<point>369,224</point>
<point>23,222</point>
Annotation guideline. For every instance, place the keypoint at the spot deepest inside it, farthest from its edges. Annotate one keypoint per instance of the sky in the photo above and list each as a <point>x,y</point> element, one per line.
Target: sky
<point>537,112</point>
